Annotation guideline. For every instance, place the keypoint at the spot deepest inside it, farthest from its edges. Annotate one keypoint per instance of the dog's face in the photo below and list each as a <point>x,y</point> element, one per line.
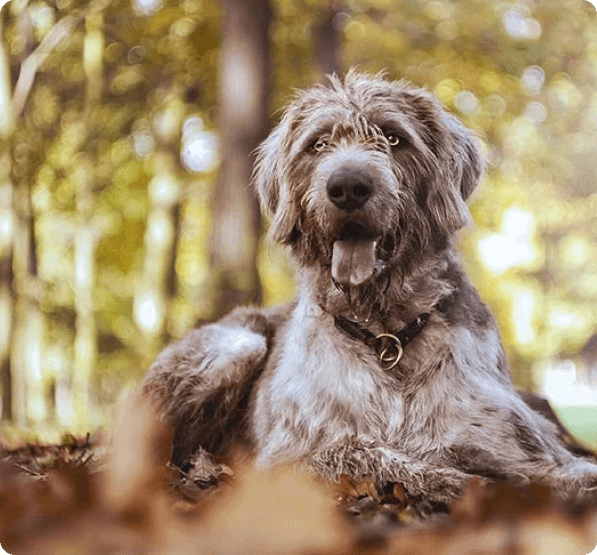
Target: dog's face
<point>366,175</point>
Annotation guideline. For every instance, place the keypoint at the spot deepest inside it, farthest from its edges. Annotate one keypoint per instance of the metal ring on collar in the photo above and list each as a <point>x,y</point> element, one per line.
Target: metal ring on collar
<point>396,346</point>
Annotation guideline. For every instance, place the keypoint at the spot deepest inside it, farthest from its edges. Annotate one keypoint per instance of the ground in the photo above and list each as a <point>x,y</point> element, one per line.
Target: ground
<point>119,495</point>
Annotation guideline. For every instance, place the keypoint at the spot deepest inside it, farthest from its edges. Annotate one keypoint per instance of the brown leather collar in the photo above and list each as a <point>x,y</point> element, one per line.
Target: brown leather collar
<point>388,346</point>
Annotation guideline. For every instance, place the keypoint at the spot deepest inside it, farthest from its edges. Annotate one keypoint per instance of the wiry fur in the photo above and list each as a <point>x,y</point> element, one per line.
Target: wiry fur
<point>295,388</point>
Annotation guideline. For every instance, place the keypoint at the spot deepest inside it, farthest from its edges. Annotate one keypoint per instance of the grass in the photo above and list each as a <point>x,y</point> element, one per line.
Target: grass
<point>582,422</point>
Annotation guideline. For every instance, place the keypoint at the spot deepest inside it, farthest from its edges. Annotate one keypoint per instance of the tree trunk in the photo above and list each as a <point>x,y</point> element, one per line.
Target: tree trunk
<point>29,404</point>
<point>85,348</point>
<point>29,400</point>
<point>244,72</point>
<point>327,41</point>
<point>172,283</point>
<point>6,289</point>
<point>157,283</point>
<point>6,229</point>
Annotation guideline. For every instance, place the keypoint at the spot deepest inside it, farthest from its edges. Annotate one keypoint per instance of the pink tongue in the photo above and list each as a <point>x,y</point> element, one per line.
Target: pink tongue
<point>353,261</point>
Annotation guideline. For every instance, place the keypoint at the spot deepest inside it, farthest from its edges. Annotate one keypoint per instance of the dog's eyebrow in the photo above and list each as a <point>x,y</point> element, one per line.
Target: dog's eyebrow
<point>314,132</point>
<point>305,140</point>
<point>386,118</point>
<point>389,121</point>
<point>404,129</point>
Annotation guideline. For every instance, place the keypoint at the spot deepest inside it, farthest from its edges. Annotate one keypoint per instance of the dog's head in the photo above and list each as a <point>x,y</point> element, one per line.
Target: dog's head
<point>364,175</point>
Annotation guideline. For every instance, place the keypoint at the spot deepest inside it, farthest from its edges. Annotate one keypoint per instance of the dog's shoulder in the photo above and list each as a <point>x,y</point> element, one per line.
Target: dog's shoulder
<point>463,307</point>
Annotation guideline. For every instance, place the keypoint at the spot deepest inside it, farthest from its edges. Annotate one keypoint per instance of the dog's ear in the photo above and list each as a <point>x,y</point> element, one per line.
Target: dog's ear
<point>270,179</point>
<point>463,165</point>
<point>468,162</point>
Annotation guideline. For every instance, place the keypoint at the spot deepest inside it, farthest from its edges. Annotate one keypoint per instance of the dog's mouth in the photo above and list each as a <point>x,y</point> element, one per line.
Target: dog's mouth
<point>353,255</point>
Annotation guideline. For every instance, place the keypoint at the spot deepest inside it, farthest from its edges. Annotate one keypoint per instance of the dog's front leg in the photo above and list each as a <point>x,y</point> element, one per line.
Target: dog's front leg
<point>201,384</point>
<point>361,457</point>
<point>523,447</point>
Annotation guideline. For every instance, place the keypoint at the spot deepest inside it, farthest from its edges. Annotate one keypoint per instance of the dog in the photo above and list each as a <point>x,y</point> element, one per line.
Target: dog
<point>388,365</point>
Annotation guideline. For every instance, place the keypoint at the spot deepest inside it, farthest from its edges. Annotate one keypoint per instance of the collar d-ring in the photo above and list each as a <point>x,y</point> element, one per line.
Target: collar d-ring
<point>389,346</point>
<point>390,350</point>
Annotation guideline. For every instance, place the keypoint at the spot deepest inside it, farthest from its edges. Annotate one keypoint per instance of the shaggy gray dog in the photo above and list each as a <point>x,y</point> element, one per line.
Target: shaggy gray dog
<point>388,364</point>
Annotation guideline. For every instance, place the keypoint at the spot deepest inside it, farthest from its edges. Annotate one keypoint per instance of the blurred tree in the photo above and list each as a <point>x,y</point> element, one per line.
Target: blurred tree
<point>28,393</point>
<point>157,284</point>
<point>85,342</point>
<point>6,225</point>
<point>28,400</point>
<point>327,39</point>
<point>6,292</point>
<point>244,77</point>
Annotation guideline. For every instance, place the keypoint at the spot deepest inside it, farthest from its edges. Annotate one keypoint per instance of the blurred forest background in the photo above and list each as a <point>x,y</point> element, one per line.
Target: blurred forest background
<point>126,133</point>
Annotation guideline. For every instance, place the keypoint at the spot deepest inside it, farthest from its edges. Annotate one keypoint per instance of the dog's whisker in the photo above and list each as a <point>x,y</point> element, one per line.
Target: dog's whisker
<point>388,282</point>
<point>348,294</point>
<point>337,285</point>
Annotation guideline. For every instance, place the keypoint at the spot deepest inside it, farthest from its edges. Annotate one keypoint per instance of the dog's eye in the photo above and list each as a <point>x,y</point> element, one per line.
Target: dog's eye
<point>319,145</point>
<point>393,139</point>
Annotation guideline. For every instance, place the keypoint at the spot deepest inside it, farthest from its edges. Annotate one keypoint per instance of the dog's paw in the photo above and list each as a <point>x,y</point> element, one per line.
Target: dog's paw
<point>429,482</point>
<point>575,482</point>
<point>205,471</point>
<point>349,457</point>
<point>360,458</point>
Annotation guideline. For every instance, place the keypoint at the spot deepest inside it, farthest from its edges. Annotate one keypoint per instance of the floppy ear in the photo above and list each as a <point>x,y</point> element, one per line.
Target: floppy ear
<point>463,166</point>
<point>467,158</point>
<point>271,181</point>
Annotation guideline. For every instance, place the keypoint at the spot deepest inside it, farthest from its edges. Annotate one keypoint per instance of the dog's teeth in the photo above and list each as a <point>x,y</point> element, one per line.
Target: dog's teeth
<point>353,261</point>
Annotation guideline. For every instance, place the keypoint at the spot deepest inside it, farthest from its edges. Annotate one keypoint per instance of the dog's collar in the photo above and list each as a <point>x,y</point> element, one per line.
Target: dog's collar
<point>388,346</point>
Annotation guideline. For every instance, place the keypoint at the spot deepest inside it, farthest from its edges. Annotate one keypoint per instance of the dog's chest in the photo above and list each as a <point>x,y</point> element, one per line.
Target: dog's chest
<point>320,387</point>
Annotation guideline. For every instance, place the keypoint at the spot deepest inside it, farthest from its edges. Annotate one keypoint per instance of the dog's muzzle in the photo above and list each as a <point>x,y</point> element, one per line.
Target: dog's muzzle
<point>349,188</point>
<point>353,256</point>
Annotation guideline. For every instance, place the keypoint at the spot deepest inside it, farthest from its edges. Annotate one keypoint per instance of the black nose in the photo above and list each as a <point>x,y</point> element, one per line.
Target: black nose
<point>349,188</point>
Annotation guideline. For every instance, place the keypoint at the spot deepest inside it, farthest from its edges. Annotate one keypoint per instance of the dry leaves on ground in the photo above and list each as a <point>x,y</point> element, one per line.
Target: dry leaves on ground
<point>75,499</point>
